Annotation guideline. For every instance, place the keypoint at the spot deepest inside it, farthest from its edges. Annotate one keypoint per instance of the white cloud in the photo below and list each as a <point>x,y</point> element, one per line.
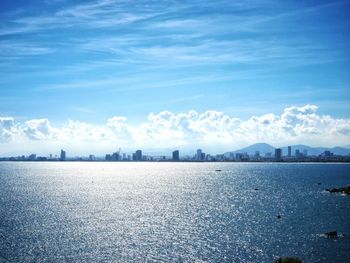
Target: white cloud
<point>210,130</point>
<point>39,129</point>
<point>7,128</point>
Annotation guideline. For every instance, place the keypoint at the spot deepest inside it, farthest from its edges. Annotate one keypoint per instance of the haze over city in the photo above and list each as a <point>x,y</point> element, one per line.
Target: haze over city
<point>93,76</point>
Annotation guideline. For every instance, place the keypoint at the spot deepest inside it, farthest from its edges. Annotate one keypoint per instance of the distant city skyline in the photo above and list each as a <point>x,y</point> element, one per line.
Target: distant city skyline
<point>102,74</point>
<point>254,151</point>
<point>262,153</point>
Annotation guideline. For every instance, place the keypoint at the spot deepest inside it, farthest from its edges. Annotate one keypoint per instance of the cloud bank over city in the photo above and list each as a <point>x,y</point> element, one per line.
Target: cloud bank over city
<point>211,130</point>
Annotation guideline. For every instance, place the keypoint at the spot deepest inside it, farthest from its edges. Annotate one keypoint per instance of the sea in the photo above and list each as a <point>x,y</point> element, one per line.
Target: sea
<point>172,212</point>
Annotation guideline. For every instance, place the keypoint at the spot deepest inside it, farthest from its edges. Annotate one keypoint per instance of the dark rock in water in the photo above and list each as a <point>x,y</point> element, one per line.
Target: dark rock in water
<point>319,183</point>
<point>279,217</point>
<point>256,189</point>
<point>218,170</point>
<point>288,260</point>
<point>344,190</point>
<point>332,234</point>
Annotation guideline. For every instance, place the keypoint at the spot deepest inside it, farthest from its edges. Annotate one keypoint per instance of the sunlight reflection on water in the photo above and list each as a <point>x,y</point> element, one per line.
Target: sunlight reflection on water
<point>107,212</point>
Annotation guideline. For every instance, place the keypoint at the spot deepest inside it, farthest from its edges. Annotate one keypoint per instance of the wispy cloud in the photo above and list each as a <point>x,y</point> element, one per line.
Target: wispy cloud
<point>129,83</point>
<point>216,48</point>
<point>89,15</point>
<point>166,34</point>
<point>209,51</point>
<point>81,109</point>
<point>15,49</point>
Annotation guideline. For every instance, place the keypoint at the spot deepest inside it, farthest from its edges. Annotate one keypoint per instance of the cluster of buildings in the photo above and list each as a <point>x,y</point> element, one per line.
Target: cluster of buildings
<point>138,156</point>
<point>117,156</point>
<point>199,156</point>
<point>279,156</point>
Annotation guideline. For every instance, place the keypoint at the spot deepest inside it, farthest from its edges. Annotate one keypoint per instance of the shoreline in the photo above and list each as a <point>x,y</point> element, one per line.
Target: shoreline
<point>169,161</point>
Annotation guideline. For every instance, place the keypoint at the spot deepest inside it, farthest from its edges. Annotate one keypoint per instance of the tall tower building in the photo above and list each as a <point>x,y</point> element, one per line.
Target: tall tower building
<point>176,156</point>
<point>63,155</point>
<point>278,154</point>
<point>138,155</point>
<point>289,151</point>
<point>199,155</point>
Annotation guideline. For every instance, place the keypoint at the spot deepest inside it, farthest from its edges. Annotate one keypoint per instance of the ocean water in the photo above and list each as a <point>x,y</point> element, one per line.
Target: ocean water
<point>172,212</point>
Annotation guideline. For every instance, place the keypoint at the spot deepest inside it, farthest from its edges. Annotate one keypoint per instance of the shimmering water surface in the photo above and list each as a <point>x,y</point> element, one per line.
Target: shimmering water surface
<point>130,212</point>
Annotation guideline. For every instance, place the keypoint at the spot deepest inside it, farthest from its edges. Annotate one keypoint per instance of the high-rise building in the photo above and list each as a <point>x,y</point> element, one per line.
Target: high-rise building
<point>231,156</point>
<point>32,157</point>
<point>115,157</point>
<point>239,156</point>
<point>63,155</point>
<point>289,151</point>
<point>278,154</point>
<point>199,155</point>
<point>176,155</point>
<point>138,155</point>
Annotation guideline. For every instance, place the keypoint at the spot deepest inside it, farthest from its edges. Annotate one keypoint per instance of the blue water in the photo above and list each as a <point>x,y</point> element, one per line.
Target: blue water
<point>162,212</point>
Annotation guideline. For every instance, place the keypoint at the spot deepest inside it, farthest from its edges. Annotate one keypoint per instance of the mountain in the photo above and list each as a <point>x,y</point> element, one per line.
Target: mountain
<point>340,150</point>
<point>261,147</point>
<point>264,148</point>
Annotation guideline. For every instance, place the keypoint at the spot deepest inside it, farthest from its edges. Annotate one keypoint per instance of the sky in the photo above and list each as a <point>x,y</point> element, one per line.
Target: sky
<point>93,76</point>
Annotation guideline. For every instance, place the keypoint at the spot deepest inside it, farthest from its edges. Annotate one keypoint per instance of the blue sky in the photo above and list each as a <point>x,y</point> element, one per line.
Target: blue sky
<point>92,60</point>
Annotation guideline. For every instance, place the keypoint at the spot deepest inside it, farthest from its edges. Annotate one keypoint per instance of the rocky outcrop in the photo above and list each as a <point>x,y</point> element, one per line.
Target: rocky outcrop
<point>343,190</point>
<point>288,260</point>
<point>332,234</point>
